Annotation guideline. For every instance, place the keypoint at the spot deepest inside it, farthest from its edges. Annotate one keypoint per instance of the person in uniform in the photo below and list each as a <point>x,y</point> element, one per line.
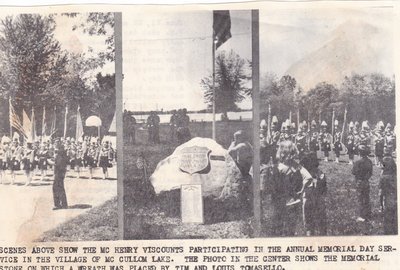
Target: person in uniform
<point>183,131</point>
<point>242,153</point>
<point>351,143</point>
<point>362,170</point>
<point>91,158</point>
<point>365,135</point>
<point>313,138</point>
<point>388,193</point>
<point>269,142</point>
<point>337,144</point>
<point>15,160</point>
<point>3,157</point>
<point>43,156</point>
<point>287,184</point>
<point>105,158</point>
<point>80,153</point>
<point>173,125</point>
<point>27,161</point>
<point>325,140</point>
<point>285,131</point>
<point>301,139</point>
<point>379,141</point>
<point>60,168</point>
<point>390,138</point>
<point>314,207</point>
<point>292,132</point>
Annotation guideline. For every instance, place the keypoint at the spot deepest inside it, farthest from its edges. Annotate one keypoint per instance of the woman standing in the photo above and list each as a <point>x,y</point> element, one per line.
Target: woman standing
<point>105,158</point>
<point>27,160</point>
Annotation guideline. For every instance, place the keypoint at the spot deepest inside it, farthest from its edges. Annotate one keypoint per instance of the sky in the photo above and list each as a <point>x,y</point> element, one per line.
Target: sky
<point>288,35</point>
<point>167,54</point>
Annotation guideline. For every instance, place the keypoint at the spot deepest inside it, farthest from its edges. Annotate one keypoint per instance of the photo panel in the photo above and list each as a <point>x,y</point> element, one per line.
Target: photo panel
<point>58,176</point>
<point>188,129</point>
<point>328,116</point>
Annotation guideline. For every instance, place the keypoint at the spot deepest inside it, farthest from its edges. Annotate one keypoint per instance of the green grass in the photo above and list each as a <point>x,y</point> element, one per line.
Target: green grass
<point>97,224</point>
<point>157,217</point>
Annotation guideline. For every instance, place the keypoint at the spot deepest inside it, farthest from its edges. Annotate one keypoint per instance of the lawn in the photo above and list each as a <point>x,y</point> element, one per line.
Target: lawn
<point>157,217</point>
<point>97,224</point>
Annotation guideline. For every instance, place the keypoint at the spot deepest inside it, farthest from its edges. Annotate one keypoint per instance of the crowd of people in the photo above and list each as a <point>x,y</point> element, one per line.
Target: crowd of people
<point>298,188</point>
<point>179,127</point>
<point>37,158</point>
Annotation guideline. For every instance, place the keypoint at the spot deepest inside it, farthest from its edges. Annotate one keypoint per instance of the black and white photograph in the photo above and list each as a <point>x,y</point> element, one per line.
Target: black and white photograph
<point>58,177</point>
<point>188,129</point>
<point>327,122</point>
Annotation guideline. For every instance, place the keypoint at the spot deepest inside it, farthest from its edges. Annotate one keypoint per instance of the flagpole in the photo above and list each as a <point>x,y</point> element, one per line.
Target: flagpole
<point>255,74</point>
<point>213,88</point>
<point>65,121</point>
<point>9,112</point>
<point>43,122</point>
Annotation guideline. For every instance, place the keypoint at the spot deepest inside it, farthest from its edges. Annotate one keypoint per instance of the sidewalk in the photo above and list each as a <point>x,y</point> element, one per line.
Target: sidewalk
<point>27,210</point>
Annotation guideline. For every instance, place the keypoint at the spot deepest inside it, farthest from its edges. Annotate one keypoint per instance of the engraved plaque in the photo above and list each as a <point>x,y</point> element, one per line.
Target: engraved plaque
<point>194,159</point>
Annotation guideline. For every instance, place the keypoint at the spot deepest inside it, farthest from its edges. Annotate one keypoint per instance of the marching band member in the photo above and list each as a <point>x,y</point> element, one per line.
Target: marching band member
<point>43,156</point>
<point>91,157</point>
<point>351,143</point>
<point>390,138</point>
<point>15,159</point>
<point>80,153</point>
<point>105,158</point>
<point>301,139</point>
<point>27,161</point>
<point>379,139</point>
<point>313,140</point>
<point>325,140</point>
<point>337,144</point>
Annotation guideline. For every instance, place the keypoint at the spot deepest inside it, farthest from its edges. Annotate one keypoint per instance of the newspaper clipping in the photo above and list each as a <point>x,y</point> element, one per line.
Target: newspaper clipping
<point>257,136</point>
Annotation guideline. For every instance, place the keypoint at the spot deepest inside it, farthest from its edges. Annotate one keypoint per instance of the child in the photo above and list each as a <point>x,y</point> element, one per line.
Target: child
<point>362,170</point>
<point>314,197</point>
<point>287,186</point>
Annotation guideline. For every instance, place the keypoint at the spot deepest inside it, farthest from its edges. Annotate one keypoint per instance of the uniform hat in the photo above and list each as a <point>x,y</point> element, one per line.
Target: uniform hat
<point>274,119</point>
<point>351,125</point>
<point>364,125</point>
<point>313,123</point>
<point>263,124</point>
<point>336,122</point>
<point>388,126</point>
<point>324,124</point>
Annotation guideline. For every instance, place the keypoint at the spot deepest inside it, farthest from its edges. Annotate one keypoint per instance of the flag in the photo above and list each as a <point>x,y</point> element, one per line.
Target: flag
<point>53,123</point>
<point>221,27</point>
<point>26,125</point>
<point>44,126</point>
<point>79,125</point>
<point>113,126</point>
<point>15,121</point>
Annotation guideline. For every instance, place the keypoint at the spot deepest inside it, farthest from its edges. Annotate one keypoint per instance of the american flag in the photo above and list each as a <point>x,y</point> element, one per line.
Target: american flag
<point>15,121</point>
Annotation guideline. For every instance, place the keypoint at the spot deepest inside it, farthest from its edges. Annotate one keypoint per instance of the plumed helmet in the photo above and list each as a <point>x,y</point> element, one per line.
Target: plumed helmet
<point>324,124</point>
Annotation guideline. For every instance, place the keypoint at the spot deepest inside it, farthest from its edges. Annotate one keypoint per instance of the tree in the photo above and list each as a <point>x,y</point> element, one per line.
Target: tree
<point>320,101</point>
<point>369,97</point>
<point>281,94</point>
<point>100,24</point>
<point>32,62</point>
<point>230,83</point>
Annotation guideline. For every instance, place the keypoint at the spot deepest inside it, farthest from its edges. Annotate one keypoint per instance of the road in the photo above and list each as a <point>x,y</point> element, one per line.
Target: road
<point>26,211</point>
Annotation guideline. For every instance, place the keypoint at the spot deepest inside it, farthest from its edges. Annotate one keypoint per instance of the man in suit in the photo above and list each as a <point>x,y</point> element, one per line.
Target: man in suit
<point>60,168</point>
